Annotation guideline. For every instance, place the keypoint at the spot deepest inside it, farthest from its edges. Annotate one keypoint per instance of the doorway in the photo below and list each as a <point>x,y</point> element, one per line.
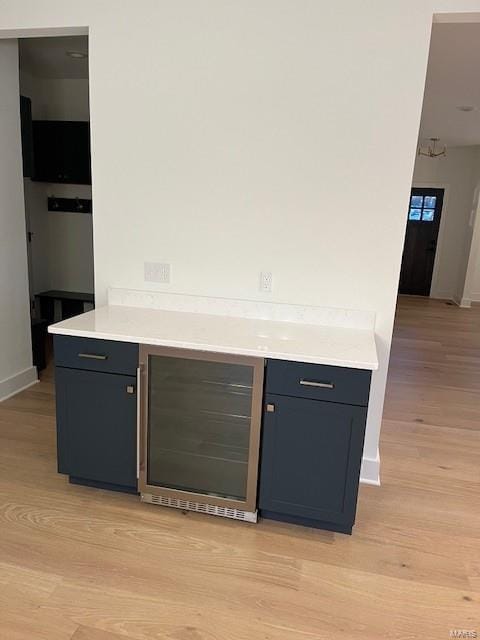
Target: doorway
<point>55,131</point>
<point>424,212</point>
<point>430,428</point>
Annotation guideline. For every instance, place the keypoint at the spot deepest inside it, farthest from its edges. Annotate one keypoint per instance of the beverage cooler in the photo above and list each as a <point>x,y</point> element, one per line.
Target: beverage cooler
<point>200,418</point>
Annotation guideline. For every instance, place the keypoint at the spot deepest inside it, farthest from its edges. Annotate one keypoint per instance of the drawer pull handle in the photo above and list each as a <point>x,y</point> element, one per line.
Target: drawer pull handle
<point>92,356</point>
<point>318,385</point>
<point>139,420</point>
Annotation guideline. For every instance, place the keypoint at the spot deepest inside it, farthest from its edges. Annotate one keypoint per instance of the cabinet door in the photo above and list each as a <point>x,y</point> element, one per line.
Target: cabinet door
<point>47,166</point>
<point>62,151</point>
<point>27,135</point>
<point>311,455</point>
<point>96,426</point>
<point>74,151</point>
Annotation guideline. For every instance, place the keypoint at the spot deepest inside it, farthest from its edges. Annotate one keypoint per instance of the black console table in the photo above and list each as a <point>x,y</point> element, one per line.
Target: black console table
<point>72,303</point>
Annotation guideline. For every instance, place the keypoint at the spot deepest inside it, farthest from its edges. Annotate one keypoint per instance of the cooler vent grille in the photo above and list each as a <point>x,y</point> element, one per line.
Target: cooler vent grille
<point>200,507</point>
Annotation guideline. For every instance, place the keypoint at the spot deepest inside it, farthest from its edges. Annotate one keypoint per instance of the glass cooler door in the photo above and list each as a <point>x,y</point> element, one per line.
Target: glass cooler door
<point>202,415</point>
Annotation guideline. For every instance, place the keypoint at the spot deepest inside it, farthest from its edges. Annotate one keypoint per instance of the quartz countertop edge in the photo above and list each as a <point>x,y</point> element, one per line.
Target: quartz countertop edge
<point>280,340</point>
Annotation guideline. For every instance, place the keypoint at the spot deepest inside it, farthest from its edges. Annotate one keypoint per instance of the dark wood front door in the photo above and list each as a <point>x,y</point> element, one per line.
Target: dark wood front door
<point>421,241</point>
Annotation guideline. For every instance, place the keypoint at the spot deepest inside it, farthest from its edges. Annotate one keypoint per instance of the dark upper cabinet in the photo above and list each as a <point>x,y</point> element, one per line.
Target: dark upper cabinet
<point>27,135</point>
<point>62,151</point>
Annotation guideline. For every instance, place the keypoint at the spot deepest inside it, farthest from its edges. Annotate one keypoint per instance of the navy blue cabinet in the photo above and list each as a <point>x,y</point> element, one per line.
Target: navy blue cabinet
<point>312,435</point>
<point>312,448</point>
<point>97,413</point>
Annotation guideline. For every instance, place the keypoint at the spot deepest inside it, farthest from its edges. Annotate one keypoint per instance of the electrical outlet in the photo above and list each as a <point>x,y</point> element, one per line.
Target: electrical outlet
<point>157,272</point>
<point>266,281</point>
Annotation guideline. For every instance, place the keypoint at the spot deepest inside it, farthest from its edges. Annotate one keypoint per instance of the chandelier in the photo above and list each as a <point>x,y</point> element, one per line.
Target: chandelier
<point>431,151</point>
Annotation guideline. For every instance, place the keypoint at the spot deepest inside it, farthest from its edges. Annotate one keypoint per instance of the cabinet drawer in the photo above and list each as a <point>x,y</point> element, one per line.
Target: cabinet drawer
<point>318,382</point>
<point>96,355</point>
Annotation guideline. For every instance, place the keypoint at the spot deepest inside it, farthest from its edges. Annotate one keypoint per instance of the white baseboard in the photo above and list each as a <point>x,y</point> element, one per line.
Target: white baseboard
<point>20,381</point>
<point>370,471</point>
<point>441,295</point>
<point>464,303</point>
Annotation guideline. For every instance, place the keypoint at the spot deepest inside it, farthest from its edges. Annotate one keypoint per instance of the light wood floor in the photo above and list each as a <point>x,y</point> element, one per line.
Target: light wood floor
<point>83,564</point>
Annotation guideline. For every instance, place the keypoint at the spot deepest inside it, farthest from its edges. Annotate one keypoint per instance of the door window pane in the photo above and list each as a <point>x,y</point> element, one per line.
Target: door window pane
<point>416,201</point>
<point>430,202</point>
<point>428,215</point>
<point>415,214</point>
<point>199,419</point>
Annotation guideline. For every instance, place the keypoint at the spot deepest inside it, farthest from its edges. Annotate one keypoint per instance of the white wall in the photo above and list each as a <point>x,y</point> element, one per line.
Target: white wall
<point>56,98</point>
<point>457,173</point>
<point>70,242</point>
<point>468,249</point>
<point>61,99</point>
<point>231,137</point>
<point>62,244</point>
<point>471,291</point>
<point>37,223</point>
<point>16,368</point>
<point>471,266</point>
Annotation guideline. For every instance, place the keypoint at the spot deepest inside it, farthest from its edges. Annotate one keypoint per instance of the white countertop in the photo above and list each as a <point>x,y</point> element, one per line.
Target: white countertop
<point>299,342</point>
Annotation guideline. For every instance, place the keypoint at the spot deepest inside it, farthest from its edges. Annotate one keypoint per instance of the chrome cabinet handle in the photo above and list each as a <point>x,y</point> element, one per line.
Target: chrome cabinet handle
<point>92,356</point>
<point>139,419</point>
<point>318,385</point>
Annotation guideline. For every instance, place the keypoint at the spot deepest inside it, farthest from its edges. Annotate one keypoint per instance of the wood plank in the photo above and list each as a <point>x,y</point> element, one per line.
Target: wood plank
<point>89,633</point>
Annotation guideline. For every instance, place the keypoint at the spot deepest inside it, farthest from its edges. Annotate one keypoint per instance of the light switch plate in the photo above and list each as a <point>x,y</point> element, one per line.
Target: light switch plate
<point>157,272</point>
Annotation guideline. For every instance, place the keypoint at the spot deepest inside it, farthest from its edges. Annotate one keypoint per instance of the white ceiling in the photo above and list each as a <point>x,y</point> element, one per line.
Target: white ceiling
<point>47,57</point>
<point>453,79</point>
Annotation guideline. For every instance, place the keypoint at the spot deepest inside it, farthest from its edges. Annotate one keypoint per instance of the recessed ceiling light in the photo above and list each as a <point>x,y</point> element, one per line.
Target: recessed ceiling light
<point>76,54</point>
<point>466,107</point>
